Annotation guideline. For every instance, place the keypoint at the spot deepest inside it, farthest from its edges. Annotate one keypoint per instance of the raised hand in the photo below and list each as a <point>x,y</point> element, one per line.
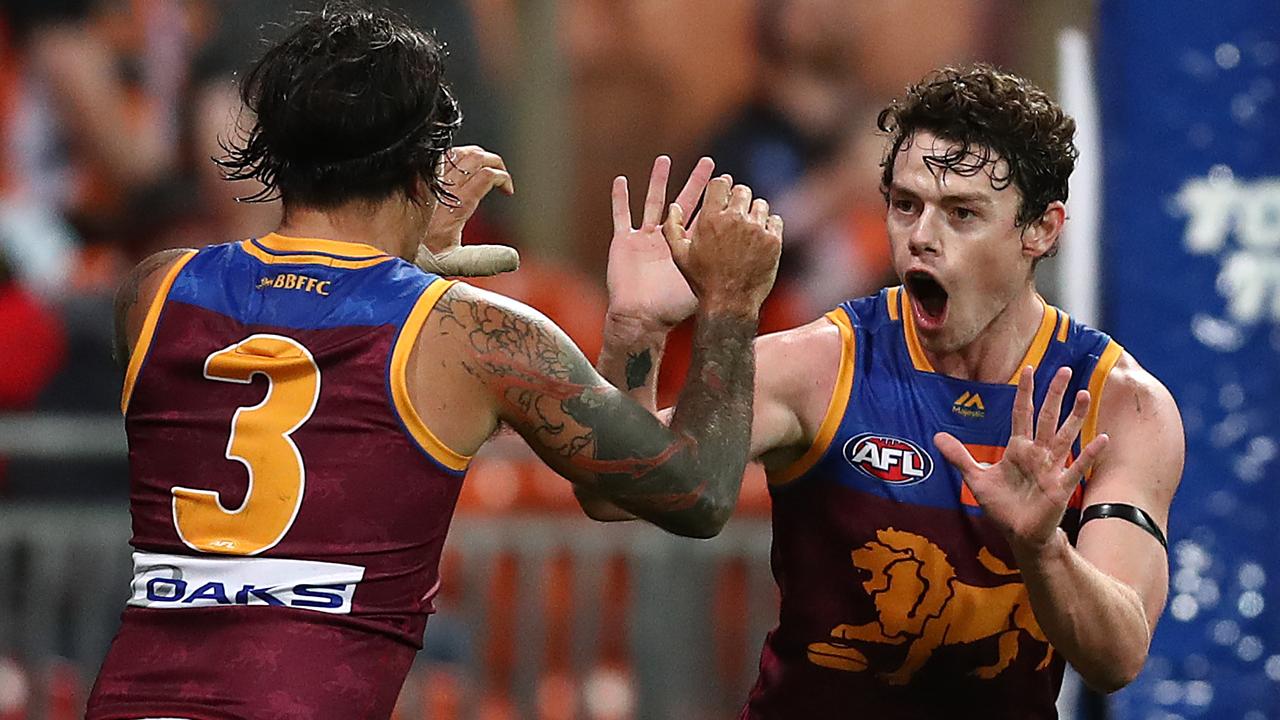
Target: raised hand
<point>644,284</point>
<point>470,173</point>
<point>730,260</point>
<point>1026,493</point>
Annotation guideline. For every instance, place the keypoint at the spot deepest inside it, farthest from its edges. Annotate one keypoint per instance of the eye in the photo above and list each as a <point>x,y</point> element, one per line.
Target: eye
<point>904,205</point>
<point>963,213</point>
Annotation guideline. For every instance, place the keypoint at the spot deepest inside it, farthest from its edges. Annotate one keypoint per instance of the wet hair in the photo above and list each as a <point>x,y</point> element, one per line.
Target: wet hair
<point>351,105</point>
<point>990,115</point>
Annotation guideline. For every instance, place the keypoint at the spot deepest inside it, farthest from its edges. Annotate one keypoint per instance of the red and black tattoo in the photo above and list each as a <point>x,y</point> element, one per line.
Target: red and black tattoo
<point>684,478</point>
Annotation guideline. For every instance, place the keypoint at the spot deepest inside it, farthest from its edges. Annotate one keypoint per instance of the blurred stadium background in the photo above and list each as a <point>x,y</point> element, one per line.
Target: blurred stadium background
<point>110,109</point>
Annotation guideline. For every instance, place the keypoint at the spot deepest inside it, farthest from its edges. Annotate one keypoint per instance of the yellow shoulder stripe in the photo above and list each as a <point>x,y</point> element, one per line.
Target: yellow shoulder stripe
<point>405,343</point>
<point>1097,383</point>
<point>148,330</point>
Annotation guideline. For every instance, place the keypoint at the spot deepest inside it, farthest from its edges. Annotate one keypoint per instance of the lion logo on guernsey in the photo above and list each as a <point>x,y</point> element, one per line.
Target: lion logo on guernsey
<point>922,603</point>
<point>888,459</point>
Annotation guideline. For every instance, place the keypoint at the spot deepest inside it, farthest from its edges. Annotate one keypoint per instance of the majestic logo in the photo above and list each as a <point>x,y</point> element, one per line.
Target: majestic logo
<point>920,602</point>
<point>293,281</point>
<point>969,405</point>
<point>887,458</point>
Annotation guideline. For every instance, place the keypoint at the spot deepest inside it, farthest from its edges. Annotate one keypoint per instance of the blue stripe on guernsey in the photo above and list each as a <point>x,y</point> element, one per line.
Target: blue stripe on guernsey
<point>305,295</point>
<point>884,443</point>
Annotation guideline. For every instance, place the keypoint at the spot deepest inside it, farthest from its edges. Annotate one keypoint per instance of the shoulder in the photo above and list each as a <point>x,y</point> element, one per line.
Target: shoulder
<point>1132,394</point>
<point>484,329</point>
<point>798,369</point>
<point>136,293</point>
<point>150,270</point>
<point>472,307</point>
<point>1144,425</point>
<point>809,345</point>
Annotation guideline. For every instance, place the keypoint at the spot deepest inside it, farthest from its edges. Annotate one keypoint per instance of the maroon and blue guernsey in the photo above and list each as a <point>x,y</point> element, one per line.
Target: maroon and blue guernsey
<point>900,600</point>
<point>288,504</point>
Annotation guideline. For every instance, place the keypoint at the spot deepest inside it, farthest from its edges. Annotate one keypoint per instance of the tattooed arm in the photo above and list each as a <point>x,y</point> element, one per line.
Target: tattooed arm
<point>630,358</point>
<point>134,297</point>
<point>684,479</point>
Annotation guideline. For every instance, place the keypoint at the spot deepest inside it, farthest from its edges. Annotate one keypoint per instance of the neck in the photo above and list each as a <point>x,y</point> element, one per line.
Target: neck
<point>995,354</point>
<point>394,226</point>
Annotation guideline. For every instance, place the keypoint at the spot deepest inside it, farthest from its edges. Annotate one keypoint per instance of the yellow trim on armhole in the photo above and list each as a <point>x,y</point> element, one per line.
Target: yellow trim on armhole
<point>143,346</point>
<point>1064,325</point>
<point>1035,353</point>
<point>893,302</point>
<point>835,407</point>
<point>1097,382</point>
<point>400,385</point>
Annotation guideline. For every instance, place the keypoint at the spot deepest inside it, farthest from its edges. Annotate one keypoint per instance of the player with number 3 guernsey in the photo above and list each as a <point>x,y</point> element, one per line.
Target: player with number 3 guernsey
<point>301,407</point>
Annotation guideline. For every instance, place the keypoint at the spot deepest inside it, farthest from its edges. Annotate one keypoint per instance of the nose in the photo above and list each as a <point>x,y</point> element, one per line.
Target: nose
<point>923,239</point>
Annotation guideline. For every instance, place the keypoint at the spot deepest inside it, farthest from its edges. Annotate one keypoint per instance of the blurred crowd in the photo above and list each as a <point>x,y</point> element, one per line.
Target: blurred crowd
<point>111,110</point>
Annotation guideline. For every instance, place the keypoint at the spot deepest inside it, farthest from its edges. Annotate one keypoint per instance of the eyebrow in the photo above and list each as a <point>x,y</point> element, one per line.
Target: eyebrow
<point>966,199</point>
<point>949,199</point>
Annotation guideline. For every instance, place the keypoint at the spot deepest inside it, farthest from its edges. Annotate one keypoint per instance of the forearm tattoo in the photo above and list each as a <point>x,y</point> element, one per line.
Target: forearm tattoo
<point>594,432</point>
<point>639,365</point>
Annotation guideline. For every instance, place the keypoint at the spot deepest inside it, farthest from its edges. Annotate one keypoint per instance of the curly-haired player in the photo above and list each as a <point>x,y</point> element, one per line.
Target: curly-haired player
<point>301,407</point>
<point>969,487</point>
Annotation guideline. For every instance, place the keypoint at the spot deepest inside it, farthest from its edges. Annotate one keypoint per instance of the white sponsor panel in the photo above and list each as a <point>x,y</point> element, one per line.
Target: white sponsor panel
<point>185,581</point>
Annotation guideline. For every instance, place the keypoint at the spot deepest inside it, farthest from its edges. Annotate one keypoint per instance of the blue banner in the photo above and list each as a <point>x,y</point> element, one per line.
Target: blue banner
<point>1190,108</point>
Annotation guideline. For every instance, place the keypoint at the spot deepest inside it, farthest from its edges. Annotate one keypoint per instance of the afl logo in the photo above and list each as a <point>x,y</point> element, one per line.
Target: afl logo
<point>889,459</point>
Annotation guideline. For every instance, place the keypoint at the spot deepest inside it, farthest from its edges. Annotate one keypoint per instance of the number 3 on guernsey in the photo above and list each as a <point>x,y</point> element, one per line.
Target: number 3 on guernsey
<point>259,440</point>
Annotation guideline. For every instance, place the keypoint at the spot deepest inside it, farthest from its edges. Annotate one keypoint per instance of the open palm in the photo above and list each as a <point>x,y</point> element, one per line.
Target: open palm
<point>1027,492</point>
<point>644,283</point>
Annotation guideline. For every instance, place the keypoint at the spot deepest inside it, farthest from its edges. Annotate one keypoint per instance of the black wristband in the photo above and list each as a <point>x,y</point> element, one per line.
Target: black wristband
<point>1124,511</point>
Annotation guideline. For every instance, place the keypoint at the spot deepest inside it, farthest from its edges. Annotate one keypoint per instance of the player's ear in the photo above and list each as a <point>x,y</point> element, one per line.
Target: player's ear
<point>1041,236</point>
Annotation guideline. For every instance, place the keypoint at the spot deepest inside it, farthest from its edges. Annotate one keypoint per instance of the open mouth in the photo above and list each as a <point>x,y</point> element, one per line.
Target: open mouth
<point>928,298</point>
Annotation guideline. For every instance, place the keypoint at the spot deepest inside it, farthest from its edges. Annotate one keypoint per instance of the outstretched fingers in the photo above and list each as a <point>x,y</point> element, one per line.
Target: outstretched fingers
<point>693,187</point>
<point>1070,429</point>
<point>1024,404</point>
<point>954,452</point>
<point>621,201</point>
<point>656,197</point>
<point>1047,427</point>
<point>1088,456</point>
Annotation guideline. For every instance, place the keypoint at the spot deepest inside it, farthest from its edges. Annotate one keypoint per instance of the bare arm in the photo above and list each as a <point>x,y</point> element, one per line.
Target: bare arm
<point>1098,603</point>
<point>629,358</point>
<point>795,377</point>
<point>684,478</point>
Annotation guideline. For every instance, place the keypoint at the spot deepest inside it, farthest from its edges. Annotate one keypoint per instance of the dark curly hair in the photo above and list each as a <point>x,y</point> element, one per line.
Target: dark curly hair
<point>990,115</point>
<point>351,105</point>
